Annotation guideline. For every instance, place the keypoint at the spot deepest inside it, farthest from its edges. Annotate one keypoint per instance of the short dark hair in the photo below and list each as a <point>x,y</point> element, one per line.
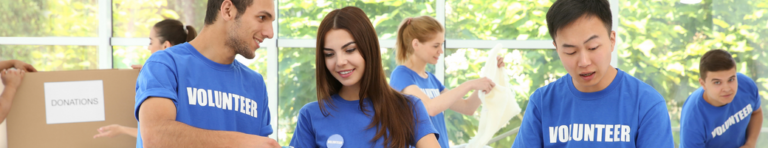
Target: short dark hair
<point>215,5</point>
<point>564,12</point>
<point>715,60</point>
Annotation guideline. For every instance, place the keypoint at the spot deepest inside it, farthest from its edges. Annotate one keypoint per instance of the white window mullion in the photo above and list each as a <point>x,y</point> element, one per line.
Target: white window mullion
<point>510,44</point>
<point>129,41</point>
<point>105,34</point>
<point>272,86</point>
<point>77,41</point>
<point>615,26</point>
<point>272,74</point>
<point>450,43</point>
<point>440,67</point>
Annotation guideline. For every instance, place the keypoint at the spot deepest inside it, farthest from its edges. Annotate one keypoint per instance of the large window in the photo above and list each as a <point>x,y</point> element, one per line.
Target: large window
<point>497,20</point>
<point>34,18</point>
<point>133,18</point>
<point>53,58</point>
<point>659,42</point>
<point>299,19</point>
<point>125,56</point>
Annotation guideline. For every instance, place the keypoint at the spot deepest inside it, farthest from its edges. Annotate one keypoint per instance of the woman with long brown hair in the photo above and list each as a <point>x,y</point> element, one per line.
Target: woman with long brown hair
<point>364,110</point>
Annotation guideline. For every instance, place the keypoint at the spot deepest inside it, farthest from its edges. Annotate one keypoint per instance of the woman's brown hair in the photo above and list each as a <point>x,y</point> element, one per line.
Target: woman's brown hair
<point>174,31</point>
<point>391,119</point>
<point>422,28</point>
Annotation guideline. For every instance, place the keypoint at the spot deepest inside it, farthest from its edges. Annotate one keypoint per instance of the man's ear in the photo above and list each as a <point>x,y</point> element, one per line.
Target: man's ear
<point>227,11</point>
<point>701,82</point>
<point>613,40</point>
<point>554,44</point>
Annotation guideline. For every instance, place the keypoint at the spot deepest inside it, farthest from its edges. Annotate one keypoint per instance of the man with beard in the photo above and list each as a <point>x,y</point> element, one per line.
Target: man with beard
<point>196,95</point>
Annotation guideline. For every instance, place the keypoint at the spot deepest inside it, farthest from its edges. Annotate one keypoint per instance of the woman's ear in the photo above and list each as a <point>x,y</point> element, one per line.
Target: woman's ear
<point>167,44</point>
<point>415,43</point>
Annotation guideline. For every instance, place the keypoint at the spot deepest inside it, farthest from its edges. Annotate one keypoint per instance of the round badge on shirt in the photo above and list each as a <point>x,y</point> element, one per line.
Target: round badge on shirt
<point>335,141</point>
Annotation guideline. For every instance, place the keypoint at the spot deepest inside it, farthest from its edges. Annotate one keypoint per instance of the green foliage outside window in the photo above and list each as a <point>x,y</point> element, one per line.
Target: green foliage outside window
<point>36,18</point>
<point>299,18</point>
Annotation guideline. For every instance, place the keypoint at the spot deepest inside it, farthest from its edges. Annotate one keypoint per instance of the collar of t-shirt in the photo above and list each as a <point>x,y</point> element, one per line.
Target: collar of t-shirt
<point>415,73</point>
<point>218,66</point>
<point>611,89</point>
<point>338,100</point>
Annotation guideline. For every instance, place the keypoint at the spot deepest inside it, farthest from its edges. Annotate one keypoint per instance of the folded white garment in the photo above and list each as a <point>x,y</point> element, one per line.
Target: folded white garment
<point>499,105</point>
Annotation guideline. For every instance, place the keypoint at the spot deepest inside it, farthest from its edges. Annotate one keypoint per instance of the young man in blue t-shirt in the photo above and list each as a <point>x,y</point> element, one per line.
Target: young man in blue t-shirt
<point>725,111</point>
<point>595,104</point>
<point>196,95</point>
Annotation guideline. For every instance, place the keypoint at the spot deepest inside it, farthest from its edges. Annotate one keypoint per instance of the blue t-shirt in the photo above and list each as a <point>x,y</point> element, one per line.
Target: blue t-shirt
<point>349,124</point>
<point>704,125</point>
<point>628,113</point>
<point>207,95</point>
<point>403,77</point>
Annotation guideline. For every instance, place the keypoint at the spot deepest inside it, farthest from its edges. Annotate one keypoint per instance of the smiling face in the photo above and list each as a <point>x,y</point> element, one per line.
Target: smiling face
<point>429,51</point>
<point>720,86</point>
<point>249,29</point>
<point>585,47</point>
<point>343,58</point>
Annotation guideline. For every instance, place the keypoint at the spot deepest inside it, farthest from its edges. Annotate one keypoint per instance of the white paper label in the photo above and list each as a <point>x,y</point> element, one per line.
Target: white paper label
<point>74,101</point>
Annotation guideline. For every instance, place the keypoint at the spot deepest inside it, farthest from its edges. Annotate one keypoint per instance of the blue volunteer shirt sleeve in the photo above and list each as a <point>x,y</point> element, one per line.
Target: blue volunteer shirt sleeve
<point>758,103</point>
<point>304,135</point>
<point>752,87</point>
<point>692,134</point>
<point>265,116</point>
<point>655,129</point>
<point>424,125</point>
<point>529,135</point>
<point>440,86</point>
<point>399,79</point>
<point>757,100</point>
<point>156,79</point>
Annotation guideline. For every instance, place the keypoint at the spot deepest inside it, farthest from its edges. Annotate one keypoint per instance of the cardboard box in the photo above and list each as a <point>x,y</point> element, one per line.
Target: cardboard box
<point>30,122</point>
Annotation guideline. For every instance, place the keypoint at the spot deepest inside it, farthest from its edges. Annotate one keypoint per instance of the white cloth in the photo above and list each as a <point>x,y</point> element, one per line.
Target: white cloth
<point>499,105</point>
